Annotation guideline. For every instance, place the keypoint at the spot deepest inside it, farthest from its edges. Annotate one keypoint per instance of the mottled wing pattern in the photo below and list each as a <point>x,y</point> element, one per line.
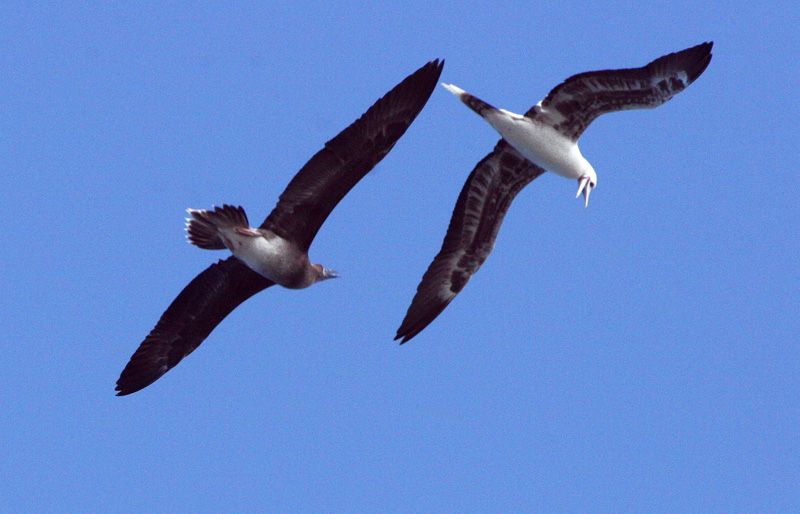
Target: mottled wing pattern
<point>571,106</point>
<point>477,217</point>
<point>476,104</point>
<point>191,317</point>
<point>333,171</point>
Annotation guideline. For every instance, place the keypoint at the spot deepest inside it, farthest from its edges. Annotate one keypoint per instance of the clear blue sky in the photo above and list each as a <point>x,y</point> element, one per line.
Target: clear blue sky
<point>640,355</point>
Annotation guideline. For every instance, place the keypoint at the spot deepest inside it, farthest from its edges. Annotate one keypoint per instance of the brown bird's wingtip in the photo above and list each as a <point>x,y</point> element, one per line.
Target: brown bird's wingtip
<point>436,65</point>
<point>123,390</point>
<point>120,390</point>
<point>405,336</point>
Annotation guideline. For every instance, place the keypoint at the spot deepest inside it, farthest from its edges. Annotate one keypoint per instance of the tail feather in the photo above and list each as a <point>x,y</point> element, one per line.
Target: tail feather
<point>473,102</point>
<point>204,227</point>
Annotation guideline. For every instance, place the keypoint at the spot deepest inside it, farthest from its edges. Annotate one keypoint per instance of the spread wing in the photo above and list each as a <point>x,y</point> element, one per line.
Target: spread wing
<point>333,171</point>
<point>477,217</point>
<point>191,317</point>
<point>577,101</point>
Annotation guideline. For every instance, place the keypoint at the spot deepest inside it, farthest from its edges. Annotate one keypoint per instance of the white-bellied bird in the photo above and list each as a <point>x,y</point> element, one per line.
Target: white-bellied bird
<point>544,138</point>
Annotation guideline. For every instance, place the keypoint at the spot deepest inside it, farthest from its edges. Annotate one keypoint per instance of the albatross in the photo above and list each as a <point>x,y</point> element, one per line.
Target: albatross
<point>544,138</point>
<point>277,251</point>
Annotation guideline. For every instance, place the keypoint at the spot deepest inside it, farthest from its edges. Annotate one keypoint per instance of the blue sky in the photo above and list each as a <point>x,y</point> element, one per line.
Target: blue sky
<point>640,355</point>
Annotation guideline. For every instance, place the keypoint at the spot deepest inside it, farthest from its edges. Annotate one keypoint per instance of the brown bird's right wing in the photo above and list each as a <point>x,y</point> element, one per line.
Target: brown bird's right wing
<point>333,171</point>
<point>477,217</point>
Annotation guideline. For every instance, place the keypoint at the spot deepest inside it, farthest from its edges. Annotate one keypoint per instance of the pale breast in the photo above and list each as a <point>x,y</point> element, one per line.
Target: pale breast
<point>543,145</point>
<point>274,258</point>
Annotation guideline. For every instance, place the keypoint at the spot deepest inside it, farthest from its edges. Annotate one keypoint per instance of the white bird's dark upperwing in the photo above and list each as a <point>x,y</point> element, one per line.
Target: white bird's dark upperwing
<point>477,217</point>
<point>572,105</point>
<point>347,158</point>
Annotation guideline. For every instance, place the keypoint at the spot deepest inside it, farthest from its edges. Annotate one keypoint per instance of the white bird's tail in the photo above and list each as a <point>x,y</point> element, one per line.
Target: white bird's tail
<point>453,89</point>
<point>473,102</point>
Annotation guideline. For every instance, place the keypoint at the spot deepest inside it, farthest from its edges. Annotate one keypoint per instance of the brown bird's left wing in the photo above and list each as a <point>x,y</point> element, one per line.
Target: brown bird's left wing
<point>477,217</point>
<point>333,171</point>
<point>191,317</point>
<point>575,103</point>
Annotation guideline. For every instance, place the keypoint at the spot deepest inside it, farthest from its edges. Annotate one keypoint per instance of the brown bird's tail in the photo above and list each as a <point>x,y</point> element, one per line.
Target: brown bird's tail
<point>205,226</point>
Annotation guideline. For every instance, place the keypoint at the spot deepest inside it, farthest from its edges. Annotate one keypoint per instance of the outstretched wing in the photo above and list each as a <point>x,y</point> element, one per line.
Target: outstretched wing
<point>571,106</point>
<point>479,212</point>
<point>197,310</point>
<point>333,171</point>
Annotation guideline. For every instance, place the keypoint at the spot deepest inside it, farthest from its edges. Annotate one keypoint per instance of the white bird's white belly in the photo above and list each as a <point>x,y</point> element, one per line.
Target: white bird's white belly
<point>539,143</point>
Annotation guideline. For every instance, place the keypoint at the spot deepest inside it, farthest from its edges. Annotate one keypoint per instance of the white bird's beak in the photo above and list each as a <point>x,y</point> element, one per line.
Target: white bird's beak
<point>585,187</point>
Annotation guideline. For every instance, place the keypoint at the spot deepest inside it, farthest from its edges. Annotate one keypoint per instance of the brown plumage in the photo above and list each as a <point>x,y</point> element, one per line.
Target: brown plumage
<point>302,209</point>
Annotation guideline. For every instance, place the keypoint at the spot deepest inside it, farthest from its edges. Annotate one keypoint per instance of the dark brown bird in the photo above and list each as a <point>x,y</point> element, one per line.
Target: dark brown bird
<point>277,251</point>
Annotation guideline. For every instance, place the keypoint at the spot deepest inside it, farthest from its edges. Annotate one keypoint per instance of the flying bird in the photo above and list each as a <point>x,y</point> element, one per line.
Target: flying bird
<point>277,251</point>
<point>544,138</point>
